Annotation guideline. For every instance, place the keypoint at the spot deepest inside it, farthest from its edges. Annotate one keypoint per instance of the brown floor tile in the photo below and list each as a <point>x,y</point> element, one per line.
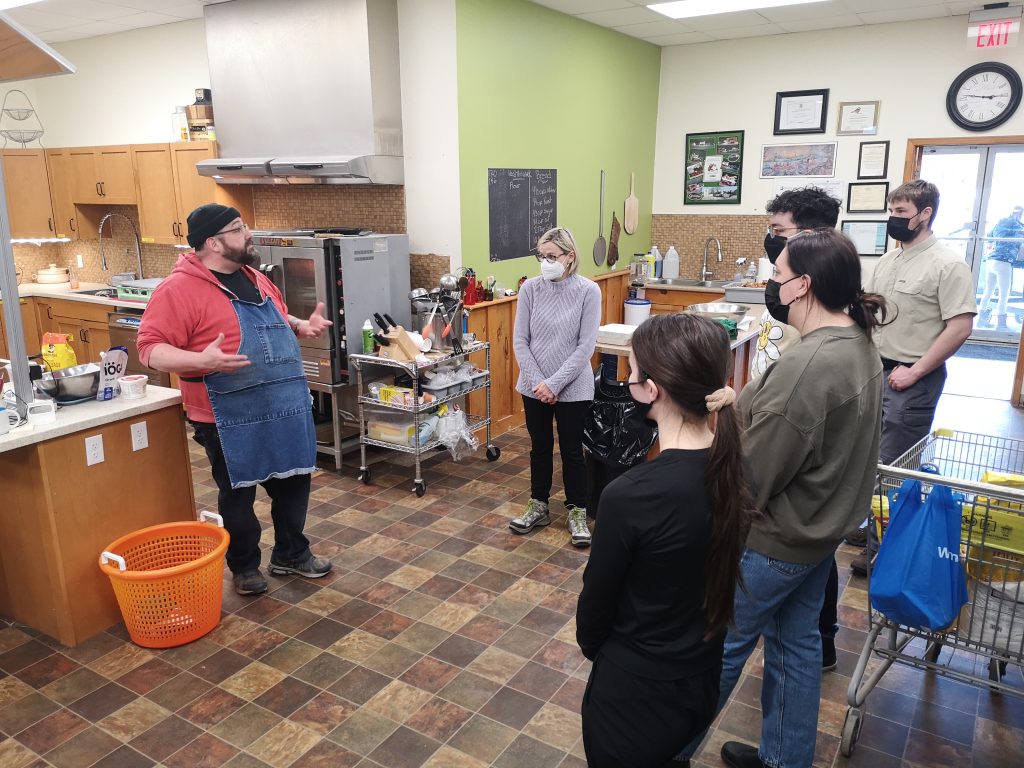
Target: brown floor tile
<point>245,726</point>
<point>292,621</point>
<point>220,666</point>
<point>210,708</point>
<point>392,660</point>
<point>263,609</point>
<point>430,674</point>
<point>327,754</point>
<point>148,676</point>
<point>363,732</point>
<point>511,708</point>
<point>355,612</point>
<point>323,633</point>
<point>23,655</point>
<point>133,719</point>
<point>438,719</point>
<point>74,685</point>
<point>165,738</point>
<point>290,655</point>
<point>526,752</point>
<point>27,710</point>
<point>561,656</point>
<point>207,751</point>
<point>360,685</point>
<point>387,624</point>
<point>459,651</point>
<point>47,670</point>
<point>484,629</point>
<point>84,748</point>
<point>570,695</point>
<point>482,738</point>
<point>469,690</point>
<point>883,735</point>
<point>323,671</point>
<point>522,642</point>
<point>942,721</point>
<point>52,730</point>
<point>286,696</point>
<point>258,642</point>
<point>538,681</point>
<point>284,743</point>
<point>405,748</point>
<point>930,751</point>
<point>124,757</point>
<point>323,713</point>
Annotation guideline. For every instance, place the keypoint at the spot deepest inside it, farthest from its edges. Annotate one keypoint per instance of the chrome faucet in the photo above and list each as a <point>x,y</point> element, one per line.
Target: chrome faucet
<point>138,242</point>
<point>705,273</point>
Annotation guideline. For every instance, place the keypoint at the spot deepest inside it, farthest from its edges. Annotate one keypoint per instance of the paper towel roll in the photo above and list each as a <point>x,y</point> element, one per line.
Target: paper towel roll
<point>765,268</point>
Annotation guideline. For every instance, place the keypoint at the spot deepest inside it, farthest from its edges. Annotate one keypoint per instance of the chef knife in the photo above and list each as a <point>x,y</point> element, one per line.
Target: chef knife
<point>380,322</point>
<point>392,322</point>
<point>381,340</point>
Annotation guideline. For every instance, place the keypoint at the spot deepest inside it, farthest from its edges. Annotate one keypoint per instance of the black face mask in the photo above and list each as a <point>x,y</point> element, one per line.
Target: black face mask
<point>898,228</point>
<point>773,246</point>
<point>644,409</point>
<point>773,302</point>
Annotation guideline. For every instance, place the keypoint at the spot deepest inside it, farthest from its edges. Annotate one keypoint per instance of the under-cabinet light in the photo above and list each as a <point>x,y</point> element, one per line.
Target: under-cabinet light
<point>39,240</point>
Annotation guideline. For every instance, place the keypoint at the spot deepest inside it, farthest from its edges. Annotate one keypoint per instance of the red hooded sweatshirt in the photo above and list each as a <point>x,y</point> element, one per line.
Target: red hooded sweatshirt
<point>188,310</point>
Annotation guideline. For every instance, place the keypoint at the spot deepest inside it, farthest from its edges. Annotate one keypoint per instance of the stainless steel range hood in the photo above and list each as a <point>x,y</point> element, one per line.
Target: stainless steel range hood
<point>305,92</point>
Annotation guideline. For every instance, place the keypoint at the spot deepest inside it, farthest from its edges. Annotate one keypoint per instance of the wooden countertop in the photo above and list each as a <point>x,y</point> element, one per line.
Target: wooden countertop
<point>82,416</point>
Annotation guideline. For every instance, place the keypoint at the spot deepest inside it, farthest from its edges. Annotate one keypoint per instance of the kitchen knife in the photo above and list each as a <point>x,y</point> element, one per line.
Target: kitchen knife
<point>380,322</point>
<point>392,322</point>
<point>381,340</point>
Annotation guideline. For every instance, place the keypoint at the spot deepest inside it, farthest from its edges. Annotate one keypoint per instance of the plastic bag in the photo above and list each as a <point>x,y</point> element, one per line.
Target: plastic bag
<point>919,579</point>
<point>454,433</point>
<point>613,431</point>
<point>58,352</point>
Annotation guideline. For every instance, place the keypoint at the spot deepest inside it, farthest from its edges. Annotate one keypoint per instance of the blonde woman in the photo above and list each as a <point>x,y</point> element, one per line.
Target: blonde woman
<point>556,331</point>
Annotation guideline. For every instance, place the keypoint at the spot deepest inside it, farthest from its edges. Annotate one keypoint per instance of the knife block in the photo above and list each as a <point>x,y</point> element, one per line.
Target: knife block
<point>401,348</point>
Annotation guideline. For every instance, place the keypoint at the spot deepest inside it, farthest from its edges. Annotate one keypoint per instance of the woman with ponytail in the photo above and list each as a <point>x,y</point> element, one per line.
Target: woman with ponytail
<point>659,586</point>
<point>811,433</point>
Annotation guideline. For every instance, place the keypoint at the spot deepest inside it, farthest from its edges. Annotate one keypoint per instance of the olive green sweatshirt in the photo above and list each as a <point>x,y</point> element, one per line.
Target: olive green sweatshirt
<point>812,426</point>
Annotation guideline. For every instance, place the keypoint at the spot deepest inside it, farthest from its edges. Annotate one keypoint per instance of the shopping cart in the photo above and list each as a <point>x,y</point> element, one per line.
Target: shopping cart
<point>989,632</point>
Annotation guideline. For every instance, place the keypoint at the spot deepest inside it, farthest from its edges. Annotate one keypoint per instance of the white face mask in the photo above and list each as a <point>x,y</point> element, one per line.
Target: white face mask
<point>552,270</point>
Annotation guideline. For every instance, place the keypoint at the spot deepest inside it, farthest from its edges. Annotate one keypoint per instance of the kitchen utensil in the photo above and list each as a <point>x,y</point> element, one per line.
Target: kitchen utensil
<point>600,246</point>
<point>71,384</point>
<point>427,327</point>
<point>448,282</point>
<point>613,246</point>
<point>455,315</point>
<point>418,293</point>
<point>719,309</point>
<point>631,210</point>
<point>53,274</point>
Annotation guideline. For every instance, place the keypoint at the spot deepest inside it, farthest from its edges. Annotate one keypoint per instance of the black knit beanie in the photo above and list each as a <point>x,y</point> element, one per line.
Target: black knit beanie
<point>207,220</point>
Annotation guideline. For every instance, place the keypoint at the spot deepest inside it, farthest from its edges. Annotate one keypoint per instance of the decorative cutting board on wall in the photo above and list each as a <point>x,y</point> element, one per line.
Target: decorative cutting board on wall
<point>522,205</point>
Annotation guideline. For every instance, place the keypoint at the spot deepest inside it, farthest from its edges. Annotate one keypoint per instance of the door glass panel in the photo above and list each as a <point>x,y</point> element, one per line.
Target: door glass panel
<point>1001,283</point>
<point>958,172</point>
<point>299,286</point>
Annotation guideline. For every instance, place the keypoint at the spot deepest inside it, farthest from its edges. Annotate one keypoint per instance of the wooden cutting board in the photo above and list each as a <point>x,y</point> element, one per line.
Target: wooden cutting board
<point>632,210</point>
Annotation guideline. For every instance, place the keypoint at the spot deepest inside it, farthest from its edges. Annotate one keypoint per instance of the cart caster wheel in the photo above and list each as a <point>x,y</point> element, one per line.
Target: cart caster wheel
<point>420,488</point>
<point>932,653</point>
<point>364,476</point>
<point>851,731</point>
<point>493,452</point>
<point>996,669</point>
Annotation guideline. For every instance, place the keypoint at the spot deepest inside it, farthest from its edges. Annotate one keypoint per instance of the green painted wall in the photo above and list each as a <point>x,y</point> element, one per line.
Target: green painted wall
<point>539,89</point>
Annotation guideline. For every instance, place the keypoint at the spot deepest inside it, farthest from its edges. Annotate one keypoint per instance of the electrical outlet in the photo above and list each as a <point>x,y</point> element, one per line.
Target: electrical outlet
<point>79,260</point>
<point>140,437</point>
<point>93,450</point>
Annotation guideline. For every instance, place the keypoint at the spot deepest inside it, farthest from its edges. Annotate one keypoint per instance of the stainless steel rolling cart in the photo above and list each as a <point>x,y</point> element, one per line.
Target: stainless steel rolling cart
<point>418,409</point>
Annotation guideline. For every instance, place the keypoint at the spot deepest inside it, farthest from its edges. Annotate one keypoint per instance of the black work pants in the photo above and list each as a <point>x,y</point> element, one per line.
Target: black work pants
<point>569,418</point>
<point>828,620</point>
<point>289,499</point>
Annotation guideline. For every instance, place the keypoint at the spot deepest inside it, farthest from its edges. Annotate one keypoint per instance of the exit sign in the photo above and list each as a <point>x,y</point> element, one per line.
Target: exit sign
<point>998,33</point>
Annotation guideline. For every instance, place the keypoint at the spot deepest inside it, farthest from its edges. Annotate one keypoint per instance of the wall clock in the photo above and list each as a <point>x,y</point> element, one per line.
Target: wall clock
<point>984,96</point>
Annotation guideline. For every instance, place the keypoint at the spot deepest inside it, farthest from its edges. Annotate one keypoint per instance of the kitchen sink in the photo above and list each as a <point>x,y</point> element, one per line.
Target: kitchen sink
<point>106,293</point>
<point>687,282</point>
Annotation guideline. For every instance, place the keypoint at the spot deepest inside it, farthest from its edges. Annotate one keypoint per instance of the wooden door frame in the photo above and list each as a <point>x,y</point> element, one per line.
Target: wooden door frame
<point>912,166</point>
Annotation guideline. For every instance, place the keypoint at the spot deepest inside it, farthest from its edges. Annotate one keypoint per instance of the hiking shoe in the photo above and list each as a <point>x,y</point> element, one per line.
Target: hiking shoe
<point>535,516</point>
<point>859,564</point>
<point>578,530</point>
<point>249,583</point>
<point>857,537</point>
<point>829,660</point>
<point>311,568</point>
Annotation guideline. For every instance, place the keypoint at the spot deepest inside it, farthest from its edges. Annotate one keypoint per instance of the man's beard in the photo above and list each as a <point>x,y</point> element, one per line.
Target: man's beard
<point>246,256</point>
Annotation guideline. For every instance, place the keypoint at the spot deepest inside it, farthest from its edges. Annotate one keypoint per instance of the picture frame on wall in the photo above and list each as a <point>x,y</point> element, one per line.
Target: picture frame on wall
<point>867,196</point>
<point>813,160</point>
<point>713,168</point>
<point>869,236</point>
<point>873,160</point>
<point>800,111</point>
<point>857,118</point>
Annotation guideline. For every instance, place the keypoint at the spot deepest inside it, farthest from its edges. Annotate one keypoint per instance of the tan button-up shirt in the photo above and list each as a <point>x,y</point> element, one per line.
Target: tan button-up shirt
<point>925,286</point>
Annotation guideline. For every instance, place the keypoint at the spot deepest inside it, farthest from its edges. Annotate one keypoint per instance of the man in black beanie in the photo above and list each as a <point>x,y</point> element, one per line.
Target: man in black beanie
<point>223,327</point>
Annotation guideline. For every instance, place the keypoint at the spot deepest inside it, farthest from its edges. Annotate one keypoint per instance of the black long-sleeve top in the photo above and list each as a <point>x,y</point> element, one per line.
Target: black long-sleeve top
<point>643,587</point>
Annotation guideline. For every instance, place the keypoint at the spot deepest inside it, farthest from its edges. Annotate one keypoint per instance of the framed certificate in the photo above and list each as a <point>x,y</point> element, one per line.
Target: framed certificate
<point>873,161</point>
<point>868,236</point>
<point>867,197</point>
<point>858,118</point>
<point>800,111</point>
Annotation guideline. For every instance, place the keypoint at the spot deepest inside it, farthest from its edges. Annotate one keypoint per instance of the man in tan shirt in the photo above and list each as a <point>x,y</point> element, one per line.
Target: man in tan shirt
<point>930,290</point>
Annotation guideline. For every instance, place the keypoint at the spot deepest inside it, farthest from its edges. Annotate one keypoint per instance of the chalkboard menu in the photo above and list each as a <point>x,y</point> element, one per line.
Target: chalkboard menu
<point>522,203</point>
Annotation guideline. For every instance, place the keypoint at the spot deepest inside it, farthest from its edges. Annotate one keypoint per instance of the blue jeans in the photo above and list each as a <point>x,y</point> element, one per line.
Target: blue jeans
<point>780,601</point>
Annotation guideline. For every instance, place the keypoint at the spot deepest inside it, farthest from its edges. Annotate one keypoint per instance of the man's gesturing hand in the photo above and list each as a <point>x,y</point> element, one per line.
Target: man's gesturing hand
<point>215,359</point>
<point>315,326</point>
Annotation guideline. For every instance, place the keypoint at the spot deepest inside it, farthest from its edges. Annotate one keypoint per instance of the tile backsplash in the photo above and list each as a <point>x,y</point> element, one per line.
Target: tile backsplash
<point>741,236</point>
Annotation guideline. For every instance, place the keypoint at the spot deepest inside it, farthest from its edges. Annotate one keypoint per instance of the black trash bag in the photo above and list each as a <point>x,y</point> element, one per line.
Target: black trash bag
<point>614,432</point>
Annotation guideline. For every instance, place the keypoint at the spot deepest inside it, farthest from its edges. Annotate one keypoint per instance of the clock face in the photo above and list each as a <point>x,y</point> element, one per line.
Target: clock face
<point>984,96</point>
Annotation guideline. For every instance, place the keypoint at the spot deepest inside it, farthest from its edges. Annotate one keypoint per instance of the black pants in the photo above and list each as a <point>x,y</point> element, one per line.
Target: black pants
<point>641,722</point>
<point>569,417</point>
<point>289,499</point>
<point>828,620</point>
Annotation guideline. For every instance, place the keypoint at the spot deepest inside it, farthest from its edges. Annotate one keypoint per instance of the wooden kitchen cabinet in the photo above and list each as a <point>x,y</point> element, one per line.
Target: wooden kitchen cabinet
<point>102,175</point>
<point>66,216</point>
<point>170,188</point>
<point>494,322</point>
<point>86,324</point>
<point>28,193</point>
<point>28,323</point>
<point>666,300</point>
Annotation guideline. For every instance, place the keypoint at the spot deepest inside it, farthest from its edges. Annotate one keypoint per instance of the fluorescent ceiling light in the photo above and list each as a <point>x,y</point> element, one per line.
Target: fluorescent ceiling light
<point>6,5</point>
<point>686,9</point>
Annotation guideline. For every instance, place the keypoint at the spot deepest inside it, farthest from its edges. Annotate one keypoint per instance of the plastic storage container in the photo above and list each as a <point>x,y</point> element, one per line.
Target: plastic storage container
<point>670,265</point>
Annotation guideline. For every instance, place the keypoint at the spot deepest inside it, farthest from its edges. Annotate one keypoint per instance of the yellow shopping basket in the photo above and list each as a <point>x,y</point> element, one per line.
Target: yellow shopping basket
<point>168,580</point>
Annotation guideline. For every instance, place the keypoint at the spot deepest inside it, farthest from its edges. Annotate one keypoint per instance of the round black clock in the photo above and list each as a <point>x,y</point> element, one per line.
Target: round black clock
<point>984,96</point>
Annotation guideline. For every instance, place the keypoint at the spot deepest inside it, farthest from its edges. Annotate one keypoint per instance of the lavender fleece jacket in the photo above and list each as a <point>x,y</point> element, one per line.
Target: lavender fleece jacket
<point>555,336</point>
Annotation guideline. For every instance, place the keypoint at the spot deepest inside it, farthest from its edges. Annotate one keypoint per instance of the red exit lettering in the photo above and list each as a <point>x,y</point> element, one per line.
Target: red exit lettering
<point>994,35</point>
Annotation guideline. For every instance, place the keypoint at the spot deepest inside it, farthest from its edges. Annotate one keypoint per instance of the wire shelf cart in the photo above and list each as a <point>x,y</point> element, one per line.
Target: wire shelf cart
<point>418,409</point>
<point>989,632</point>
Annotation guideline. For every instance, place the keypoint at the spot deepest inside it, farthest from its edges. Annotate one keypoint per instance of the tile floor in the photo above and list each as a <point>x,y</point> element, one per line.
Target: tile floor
<point>439,640</point>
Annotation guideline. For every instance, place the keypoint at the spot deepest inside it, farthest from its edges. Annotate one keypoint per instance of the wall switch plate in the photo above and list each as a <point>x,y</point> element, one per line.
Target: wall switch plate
<point>93,450</point>
<point>140,436</point>
<point>79,260</point>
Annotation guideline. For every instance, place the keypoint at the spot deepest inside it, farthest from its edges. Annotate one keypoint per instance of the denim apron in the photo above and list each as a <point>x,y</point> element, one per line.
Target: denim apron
<point>264,411</point>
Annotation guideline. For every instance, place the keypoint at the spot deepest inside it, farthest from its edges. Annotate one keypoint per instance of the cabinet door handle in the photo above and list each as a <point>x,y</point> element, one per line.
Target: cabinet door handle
<point>174,228</point>
<point>103,188</point>
<point>49,312</point>
<point>99,191</point>
<point>49,223</point>
<point>71,224</point>
<point>84,335</point>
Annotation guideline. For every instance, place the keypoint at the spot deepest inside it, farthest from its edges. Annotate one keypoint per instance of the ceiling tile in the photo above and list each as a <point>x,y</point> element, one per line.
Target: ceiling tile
<point>35,20</point>
<point>687,38</point>
<point>147,19</point>
<point>866,6</point>
<point>831,22</point>
<point>184,10</point>
<point>653,28</point>
<point>809,11</point>
<point>962,8</point>
<point>157,6</point>
<point>98,28</point>
<point>82,9</point>
<point>585,6</point>
<point>63,35</point>
<point>903,14</point>
<point>735,33</point>
<point>622,17</point>
<point>723,20</point>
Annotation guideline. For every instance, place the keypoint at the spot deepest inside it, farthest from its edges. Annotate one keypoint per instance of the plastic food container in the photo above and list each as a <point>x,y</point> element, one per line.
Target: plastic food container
<point>440,390</point>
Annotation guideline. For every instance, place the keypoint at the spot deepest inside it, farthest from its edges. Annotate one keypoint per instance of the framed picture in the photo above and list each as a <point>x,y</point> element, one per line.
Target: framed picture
<point>873,161</point>
<point>800,111</point>
<point>858,118</point>
<point>867,196</point>
<point>713,168</point>
<point>798,160</point>
<point>868,236</point>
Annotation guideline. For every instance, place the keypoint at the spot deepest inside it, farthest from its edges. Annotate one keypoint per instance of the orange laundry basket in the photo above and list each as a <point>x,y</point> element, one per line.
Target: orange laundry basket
<point>168,580</point>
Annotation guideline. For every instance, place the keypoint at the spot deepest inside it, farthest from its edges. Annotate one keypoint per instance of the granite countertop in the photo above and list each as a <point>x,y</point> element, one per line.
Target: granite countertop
<point>82,416</point>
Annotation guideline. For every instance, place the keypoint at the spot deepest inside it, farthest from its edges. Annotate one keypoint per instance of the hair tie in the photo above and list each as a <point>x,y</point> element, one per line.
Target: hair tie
<point>720,398</point>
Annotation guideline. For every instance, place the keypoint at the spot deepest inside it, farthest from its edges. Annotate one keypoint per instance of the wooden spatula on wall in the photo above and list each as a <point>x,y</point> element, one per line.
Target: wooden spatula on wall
<point>632,210</point>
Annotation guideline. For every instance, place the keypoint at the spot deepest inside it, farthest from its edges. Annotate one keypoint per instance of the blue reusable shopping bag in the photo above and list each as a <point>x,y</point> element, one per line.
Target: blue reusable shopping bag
<point>918,580</point>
